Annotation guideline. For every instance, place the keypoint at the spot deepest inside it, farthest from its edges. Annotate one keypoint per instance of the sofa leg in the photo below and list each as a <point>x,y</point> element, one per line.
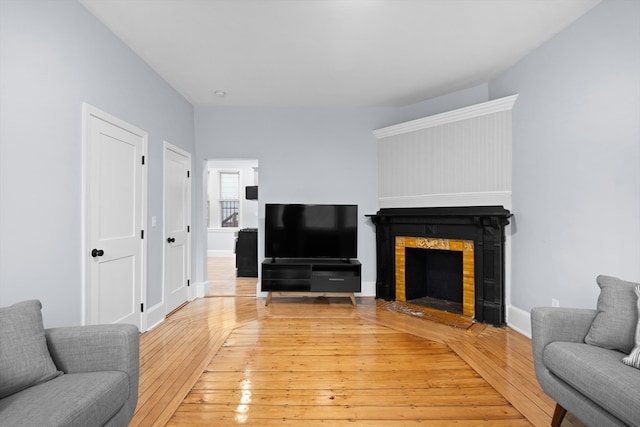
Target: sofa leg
<point>558,416</point>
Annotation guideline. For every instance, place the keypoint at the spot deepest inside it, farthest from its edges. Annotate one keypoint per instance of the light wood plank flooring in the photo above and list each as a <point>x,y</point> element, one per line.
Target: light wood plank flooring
<point>352,360</point>
<point>223,281</point>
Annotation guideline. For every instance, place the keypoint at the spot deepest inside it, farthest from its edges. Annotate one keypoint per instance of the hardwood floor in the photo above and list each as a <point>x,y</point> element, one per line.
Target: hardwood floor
<point>320,361</point>
<point>223,281</point>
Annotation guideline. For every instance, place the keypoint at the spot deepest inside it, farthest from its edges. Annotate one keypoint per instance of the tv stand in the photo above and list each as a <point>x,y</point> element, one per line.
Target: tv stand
<point>311,277</point>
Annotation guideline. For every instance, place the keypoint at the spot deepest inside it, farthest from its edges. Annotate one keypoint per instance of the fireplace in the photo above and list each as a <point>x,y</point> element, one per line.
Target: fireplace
<point>452,256</point>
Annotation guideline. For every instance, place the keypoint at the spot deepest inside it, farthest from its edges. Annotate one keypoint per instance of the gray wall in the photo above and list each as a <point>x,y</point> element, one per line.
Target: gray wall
<point>310,155</point>
<point>54,55</point>
<point>576,159</point>
<point>576,154</point>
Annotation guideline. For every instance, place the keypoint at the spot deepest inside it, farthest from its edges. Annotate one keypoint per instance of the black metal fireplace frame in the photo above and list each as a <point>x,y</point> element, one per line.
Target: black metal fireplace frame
<point>484,225</point>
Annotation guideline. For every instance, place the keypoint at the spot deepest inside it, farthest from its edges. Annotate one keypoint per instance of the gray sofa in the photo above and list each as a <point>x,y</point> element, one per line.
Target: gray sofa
<point>578,356</point>
<point>73,376</point>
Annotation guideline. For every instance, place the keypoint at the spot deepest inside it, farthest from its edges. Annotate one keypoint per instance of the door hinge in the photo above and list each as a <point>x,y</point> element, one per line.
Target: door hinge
<point>188,282</point>
<point>143,160</point>
<point>188,174</point>
<point>142,307</point>
<point>142,234</point>
<point>188,229</point>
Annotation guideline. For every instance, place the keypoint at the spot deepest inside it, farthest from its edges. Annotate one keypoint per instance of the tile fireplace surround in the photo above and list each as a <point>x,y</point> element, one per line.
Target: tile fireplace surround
<point>477,231</point>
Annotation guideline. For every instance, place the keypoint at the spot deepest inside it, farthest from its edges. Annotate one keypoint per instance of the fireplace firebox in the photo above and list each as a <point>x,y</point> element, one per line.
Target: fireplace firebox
<point>418,250</point>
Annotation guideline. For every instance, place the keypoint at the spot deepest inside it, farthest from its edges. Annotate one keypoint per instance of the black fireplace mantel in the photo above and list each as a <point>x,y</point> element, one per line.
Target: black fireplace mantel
<point>484,225</point>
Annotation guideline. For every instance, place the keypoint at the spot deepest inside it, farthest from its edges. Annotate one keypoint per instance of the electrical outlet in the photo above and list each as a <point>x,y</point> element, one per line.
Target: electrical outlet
<point>555,302</point>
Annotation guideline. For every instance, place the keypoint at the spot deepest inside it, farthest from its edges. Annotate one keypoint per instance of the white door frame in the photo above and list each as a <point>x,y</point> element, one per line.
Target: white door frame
<point>191,294</point>
<point>87,112</point>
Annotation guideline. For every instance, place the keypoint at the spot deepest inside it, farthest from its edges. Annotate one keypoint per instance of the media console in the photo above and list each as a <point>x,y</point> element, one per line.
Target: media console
<point>311,277</point>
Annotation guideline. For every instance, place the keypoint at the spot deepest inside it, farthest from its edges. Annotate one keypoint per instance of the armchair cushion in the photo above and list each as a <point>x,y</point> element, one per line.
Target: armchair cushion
<point>24,356</point>
<point>71,400</point>
<point>614,326</point>
<point>598,374</point>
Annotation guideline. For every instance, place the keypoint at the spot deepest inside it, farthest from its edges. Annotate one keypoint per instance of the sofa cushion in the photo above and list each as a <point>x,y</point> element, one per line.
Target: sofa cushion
<point>86,399</point>
<point>24,357</point>
<point>614,326</point>
<point>598,374</point>
<point>633,359</point>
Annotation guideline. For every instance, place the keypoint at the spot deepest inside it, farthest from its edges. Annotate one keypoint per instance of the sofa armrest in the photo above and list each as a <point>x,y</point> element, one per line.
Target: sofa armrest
<point>549,324</point>
<point>95,348</point>
<point>100,348</point>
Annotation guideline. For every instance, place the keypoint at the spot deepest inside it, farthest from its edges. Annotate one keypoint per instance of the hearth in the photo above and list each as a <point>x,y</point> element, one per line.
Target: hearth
<point>451,258</point>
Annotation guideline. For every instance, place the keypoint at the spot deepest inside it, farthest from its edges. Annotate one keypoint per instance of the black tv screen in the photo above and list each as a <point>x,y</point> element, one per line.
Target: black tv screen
<point>311,231</point>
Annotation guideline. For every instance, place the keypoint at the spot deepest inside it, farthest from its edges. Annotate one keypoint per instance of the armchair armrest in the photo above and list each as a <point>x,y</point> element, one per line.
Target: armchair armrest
<point>95,348</point>
<point>549,324</point>
<point>99,348</point>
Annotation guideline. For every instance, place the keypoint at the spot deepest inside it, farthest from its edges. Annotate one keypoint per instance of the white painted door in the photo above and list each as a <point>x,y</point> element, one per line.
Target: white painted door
<point>114,187</point>
<point>177,219</point>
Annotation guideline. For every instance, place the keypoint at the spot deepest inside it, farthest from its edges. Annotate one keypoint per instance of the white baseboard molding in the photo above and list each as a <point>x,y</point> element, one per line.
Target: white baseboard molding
<point>220,254</point>
<point>155,316</point>
<point>367,289</point>
<point>200,289</point>
<point>519,320</point>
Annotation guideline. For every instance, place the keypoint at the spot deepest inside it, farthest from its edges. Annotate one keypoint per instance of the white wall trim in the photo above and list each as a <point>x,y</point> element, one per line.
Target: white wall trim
<point>519,320</point>
<point>367,289</point>
<point>490,107</point>
<point>488,198</point>
<point>155,316</point>
<point>219,253</point>
<point>201,289</point>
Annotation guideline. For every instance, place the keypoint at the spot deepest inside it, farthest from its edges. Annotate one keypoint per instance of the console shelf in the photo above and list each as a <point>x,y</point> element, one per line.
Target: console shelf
<point>305,277</point>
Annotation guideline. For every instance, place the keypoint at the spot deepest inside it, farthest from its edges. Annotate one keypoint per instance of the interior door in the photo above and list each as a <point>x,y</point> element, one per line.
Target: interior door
<point>114,216</point>
<point>177,218</point>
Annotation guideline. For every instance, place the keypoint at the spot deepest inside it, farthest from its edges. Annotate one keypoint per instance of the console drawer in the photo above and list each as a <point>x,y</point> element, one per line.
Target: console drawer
<point>339,283</point>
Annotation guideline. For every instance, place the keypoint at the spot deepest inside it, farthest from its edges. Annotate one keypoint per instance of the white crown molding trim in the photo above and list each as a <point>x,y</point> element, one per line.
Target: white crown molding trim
<point>485,198</point>
<point>490,107</point>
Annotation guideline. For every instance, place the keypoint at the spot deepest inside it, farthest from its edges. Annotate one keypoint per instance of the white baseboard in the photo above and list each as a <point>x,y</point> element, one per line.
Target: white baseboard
<point>519,320</point>
<point>155,316</point>
<point>367,289</point>
<point>200,289</point>
<point>220,254</point>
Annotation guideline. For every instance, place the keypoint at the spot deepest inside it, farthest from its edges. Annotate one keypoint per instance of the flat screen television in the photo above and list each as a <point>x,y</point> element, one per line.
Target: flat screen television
<point>311,231</point>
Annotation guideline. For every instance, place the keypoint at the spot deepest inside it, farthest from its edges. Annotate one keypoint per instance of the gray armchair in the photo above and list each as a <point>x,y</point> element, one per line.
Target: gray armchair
<point>92,377</point>
<point>589,381</point>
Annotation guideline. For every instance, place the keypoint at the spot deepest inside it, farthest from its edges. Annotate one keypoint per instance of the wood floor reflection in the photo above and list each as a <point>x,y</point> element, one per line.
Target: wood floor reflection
<point>221,272</point>
<point>229,360</point>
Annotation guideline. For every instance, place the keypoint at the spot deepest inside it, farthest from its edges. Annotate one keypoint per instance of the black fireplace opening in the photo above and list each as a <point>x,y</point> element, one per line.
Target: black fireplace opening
<point>433,279</point>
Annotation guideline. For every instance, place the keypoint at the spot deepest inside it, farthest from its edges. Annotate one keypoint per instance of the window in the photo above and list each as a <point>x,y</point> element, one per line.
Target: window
<point>224,198</point>
<point>229,198</point>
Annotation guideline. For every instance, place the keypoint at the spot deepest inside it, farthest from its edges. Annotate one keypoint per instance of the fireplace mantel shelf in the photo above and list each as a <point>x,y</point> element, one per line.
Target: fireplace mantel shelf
<point>453,211</point>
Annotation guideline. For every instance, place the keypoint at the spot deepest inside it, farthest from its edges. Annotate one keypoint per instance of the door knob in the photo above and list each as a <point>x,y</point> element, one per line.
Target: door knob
<point>171,240</point>
<point>97,253</point>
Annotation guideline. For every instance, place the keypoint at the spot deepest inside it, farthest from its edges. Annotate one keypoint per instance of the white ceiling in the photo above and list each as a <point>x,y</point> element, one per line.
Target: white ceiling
<point>331,52</point>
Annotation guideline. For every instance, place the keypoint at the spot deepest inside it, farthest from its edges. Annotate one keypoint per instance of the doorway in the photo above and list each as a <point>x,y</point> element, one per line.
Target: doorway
<point>232,213</point>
